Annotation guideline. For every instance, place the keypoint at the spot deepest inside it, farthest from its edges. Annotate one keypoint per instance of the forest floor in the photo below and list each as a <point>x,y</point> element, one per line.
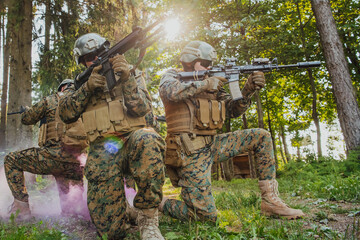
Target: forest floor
<point>326,192</point>
<point>324,219</point>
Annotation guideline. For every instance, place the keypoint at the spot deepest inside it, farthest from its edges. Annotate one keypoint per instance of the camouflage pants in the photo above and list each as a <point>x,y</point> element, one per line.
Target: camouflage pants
<point>110,159</point>
<point>195,173</point>
<point>45,161</point>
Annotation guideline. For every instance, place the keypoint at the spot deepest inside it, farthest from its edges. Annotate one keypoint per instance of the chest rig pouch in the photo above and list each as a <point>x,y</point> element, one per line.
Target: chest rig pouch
<point>209,112</point>
<point>106,113</point>
<point>72,136</point>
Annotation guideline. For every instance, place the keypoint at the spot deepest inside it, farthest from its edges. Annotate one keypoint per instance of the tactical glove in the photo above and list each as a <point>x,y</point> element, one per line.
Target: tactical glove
<point>96,80</point>
<point>255,81</point>
<point>215,83</point>
<point>121,67</point>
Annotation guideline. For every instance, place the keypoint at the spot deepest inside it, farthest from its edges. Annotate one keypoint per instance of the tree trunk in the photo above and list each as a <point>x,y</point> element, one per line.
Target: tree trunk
<point>272,136</point>
<point>313,87</point>
<point>286,149</point>
<point>215,171</point>
<point>252,163</point>
<point>259,110</point>
<point>281,150</point>
<point>4,94</point>
<point>351,54</point>
<point>47,25</point>
<point>315,115</point>
<point>227,166</point>
<point>20,23</point>
<point>344,92</point>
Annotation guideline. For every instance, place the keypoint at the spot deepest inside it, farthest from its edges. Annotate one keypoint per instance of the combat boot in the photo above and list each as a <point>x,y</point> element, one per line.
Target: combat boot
<point>271,204</point>
<point>148,222</point>
<point>24,210</point>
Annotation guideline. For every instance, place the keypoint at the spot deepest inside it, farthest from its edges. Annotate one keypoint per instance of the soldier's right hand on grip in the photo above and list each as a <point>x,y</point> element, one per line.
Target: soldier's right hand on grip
<point>121,67</point>
<point>215,83</point>
<point>96,80</point>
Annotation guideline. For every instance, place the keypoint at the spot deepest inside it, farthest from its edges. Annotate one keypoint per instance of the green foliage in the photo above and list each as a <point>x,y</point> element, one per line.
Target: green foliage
<point>28,231</point>
<point>324,178</point>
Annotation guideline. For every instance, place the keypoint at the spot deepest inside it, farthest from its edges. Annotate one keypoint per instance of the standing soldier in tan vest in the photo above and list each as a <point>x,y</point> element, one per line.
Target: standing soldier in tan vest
<point>119,143</point>
<point>194,111</point>
<point>60,145</point>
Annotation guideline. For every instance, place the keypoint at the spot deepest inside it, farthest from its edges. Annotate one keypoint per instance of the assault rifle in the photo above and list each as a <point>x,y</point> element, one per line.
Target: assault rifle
<point>137,39</point>
<point>231,72</point>
<point>22,109</point>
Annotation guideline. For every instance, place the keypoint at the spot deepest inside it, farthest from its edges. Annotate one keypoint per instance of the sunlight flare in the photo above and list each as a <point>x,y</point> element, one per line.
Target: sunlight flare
<point>172,28</point>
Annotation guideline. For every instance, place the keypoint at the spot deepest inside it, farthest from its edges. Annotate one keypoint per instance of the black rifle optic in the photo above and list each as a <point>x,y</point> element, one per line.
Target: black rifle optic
<point>231,72</point>
<point>139,38</point>
<point>22,109</point>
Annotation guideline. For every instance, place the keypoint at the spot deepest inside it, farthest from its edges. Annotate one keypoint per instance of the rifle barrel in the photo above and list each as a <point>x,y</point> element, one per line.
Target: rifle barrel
<point>301,65</point>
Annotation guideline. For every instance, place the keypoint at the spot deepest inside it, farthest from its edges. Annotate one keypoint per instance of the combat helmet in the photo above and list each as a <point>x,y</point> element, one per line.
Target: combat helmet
<point>65,82</point>
<point>88,43</point>
<point>197,50</point>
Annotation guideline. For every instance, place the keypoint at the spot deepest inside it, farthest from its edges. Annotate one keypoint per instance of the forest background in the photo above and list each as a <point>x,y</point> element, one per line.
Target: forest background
<point>298,107</point>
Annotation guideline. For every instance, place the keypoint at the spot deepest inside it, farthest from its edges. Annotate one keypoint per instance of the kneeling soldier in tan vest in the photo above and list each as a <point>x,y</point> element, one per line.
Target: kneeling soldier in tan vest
<point>194,111</point>
<point>60,146</point>
<point>119,143</point>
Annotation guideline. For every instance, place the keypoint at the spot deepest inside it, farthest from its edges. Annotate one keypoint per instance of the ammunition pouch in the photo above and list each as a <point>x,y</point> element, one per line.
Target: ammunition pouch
<point>72,136</point>
<point>75,138</point>
<point>202,115</point>
<point>210,114</point>
<point>42,135</point>
<point>178,147</point>
<point>106,114</point>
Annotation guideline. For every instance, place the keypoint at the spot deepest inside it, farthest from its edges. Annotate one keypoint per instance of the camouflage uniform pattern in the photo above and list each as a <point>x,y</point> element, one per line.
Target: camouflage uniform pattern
<point>49,159</point>
<point>138,153</point>
<point>195,172</point>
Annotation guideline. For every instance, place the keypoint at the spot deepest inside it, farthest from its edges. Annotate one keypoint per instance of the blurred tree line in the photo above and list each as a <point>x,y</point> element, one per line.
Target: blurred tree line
<point>291,102</point>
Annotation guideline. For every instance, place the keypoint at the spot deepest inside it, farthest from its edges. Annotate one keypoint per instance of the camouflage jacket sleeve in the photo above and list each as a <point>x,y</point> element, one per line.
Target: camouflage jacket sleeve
<point>73,103</point>
<point>171,89</point>
<point>234,109</point>
<point>137,98</point>
<point>35,113</point>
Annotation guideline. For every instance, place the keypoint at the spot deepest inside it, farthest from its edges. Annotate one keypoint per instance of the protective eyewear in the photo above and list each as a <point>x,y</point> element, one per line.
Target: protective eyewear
<point>206,63</point>
<point>90,57</point>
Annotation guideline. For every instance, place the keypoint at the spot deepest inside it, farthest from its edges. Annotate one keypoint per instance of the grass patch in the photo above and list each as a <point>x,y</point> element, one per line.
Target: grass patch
<point>28,231</point>
<point>312,186</point>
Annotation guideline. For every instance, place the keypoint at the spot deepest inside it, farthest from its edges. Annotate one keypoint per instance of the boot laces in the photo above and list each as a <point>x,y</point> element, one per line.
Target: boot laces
<point>149,229</point>
<point>274,194</point>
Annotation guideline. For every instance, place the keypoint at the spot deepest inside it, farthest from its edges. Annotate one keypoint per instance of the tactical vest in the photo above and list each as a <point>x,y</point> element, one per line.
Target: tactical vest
<point>200,115</point>
<point>106,113</point>
<point>71,135</point>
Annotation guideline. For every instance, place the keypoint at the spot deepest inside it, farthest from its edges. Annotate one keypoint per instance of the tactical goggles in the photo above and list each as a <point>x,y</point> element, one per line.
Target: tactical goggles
<point>205,63</point>
<point>90,57</point>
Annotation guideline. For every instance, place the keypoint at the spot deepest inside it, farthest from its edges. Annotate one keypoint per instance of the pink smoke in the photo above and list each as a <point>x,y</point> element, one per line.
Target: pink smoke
<point>46,202</point>
<point>82,159</point>
<point>130,194</point>
<point>6,197</point>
